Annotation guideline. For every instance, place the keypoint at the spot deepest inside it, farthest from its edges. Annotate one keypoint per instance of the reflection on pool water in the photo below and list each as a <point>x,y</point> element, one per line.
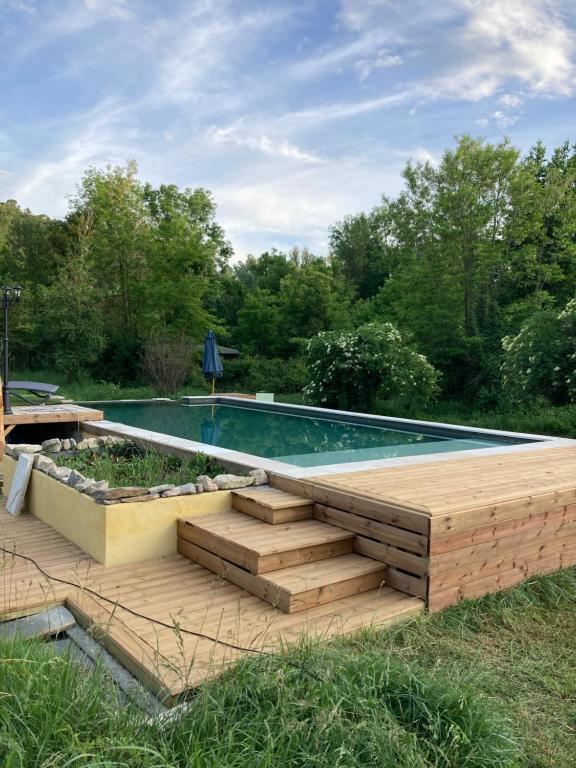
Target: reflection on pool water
<point>298,439</point>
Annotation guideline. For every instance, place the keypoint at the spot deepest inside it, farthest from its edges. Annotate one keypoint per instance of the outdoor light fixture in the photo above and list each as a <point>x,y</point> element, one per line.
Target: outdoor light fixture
<point>10,293</point>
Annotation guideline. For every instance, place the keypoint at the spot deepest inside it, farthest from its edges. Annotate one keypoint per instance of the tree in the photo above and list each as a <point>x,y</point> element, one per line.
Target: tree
<point>258,329</point>
<point>73,327</point>
<point>358,250</point>
<point>312,299</point>
<point>352,369</point>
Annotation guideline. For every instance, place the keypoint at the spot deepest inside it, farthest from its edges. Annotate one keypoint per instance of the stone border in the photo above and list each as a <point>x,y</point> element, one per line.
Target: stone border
<point>100,490</point>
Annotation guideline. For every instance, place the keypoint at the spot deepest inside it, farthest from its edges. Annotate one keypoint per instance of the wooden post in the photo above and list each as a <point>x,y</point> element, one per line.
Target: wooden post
<point>2,436</point>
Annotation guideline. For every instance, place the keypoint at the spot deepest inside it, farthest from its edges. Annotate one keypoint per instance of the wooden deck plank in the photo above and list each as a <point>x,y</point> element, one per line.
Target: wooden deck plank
<point>177,592</point>
<point>443,487</point>
<point>47,414</point>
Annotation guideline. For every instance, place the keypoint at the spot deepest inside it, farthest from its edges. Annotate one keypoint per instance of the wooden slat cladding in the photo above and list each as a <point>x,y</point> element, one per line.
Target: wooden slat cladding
<point>403,551</point>
<point>473,562</point>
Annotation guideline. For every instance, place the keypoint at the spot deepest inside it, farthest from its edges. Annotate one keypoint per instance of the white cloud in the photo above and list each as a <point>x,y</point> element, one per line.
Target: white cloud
<point>384,60</point>
<point>115,9</point>
<point>510,101</point>
<point>264,144</point>
<point>4,172</point>
<point>326,113</point>
<point>334,59</point>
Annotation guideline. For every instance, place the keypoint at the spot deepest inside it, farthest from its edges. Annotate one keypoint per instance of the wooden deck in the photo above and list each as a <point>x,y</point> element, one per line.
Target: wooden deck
<point>64,413</point>
<point>486,523</point>
<point>173,590</point>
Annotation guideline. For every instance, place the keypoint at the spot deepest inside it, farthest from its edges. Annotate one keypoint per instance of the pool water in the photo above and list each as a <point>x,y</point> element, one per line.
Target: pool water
<point>302,440</point>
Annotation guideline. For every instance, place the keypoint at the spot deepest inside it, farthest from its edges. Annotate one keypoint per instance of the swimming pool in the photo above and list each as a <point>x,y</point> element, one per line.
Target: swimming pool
<point>296,436</point>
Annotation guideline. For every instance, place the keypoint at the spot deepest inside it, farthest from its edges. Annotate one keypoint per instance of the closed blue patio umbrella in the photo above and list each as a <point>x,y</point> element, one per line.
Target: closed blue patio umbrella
<point>211,365</point>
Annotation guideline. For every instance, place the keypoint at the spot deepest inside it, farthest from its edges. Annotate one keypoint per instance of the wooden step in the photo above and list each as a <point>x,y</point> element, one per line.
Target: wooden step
<point>259,547</point>
<point>271,505</point>
<point>302,586</point>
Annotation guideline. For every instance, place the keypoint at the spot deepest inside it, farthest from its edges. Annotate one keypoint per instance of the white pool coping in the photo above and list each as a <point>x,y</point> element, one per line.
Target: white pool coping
<point>241,461</point>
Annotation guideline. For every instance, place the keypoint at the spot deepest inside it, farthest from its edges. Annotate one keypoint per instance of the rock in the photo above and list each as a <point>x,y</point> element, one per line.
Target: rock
<point>260,476</point>
<point>82,445</point>
<point>85,485</point>
<point>108,494</point>
<point>89,444</point>
<point>75,478</point>
<point>54,445</point>
<point>66,444</point>
<point>20,448</point>
<point>102,442</point>
<point>207,483</point>
<point>43,463</point>
<point>72,444</point>
<point>226,482</point>
<point>161,488</point>
<point>180,490</point>
<point>60,473</point>
<point>95,486</point>
<point>144,497</point>
<point>199,488</point>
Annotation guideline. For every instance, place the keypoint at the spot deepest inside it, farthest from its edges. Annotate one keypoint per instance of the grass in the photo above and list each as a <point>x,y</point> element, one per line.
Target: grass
<point>128,465</point>
<point>98,390</point>
<point>485,684</point>
<point>559,420</point>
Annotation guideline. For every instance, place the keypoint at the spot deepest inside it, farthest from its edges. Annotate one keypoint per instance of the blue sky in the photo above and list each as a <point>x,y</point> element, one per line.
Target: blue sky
<point>292,113</point>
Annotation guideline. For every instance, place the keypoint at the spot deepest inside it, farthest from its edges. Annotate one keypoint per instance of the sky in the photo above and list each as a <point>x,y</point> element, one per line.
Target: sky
<point>292,113</point>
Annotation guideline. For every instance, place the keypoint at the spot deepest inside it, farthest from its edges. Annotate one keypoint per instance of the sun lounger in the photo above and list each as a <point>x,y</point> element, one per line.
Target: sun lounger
<point>34,389</point>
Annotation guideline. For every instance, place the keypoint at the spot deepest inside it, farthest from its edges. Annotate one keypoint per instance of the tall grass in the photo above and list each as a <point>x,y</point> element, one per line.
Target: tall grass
<point>486,684</point>
<point>125,465</point>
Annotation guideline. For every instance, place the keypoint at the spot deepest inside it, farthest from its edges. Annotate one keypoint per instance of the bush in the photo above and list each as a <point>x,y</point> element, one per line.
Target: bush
<point>167,360</point>
<point>541,360</point>
<point>261,374</point>
<point>353,369</point>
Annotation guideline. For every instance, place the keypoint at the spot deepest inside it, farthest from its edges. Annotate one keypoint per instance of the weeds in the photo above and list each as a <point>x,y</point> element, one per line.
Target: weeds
<point>128,465</point>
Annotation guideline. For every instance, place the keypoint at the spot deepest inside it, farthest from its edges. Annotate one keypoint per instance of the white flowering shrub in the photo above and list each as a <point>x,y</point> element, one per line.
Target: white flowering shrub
<point>351,369</point>
<point>541,360</point>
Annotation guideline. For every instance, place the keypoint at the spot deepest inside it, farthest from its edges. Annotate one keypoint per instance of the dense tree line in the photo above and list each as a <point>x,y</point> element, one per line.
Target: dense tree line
<point>470,252</point>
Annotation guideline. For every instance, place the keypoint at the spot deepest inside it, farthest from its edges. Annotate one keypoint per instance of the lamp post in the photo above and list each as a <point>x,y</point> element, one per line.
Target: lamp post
<point>10,293</point>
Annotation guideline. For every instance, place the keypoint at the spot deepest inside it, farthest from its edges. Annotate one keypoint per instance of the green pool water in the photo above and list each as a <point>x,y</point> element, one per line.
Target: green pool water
<point>301,440</point>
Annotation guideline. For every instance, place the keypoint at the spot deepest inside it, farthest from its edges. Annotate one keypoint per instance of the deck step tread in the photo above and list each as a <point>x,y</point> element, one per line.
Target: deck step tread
<point>324,573</point>
<point>264,539</point>
<point>272,506</point>
<point>260,547</point>
<point>272,497</point>
<point>301,587</point>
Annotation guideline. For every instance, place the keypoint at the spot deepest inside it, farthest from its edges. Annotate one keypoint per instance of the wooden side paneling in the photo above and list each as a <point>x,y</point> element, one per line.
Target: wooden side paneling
<point>488,558</point>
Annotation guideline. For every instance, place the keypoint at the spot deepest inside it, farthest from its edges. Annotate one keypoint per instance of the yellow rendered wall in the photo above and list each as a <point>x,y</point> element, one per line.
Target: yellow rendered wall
<point>73,514</point>
<point>115,534</point>
<point>147,529</point>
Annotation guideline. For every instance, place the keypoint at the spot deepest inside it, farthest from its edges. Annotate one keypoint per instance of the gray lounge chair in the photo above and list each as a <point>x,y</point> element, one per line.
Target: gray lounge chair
<point>39,390</point>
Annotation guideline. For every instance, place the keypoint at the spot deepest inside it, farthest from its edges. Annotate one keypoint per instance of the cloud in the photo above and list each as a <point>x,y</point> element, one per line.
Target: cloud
<point>262,143</point>
<point>115,9</point>
<point>510,101</point>
<point>383,60</point>
<point>471,49</point>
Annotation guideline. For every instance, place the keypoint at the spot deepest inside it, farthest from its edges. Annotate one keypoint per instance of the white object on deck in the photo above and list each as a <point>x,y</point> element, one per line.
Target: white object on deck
<point>19,485</point>
<point>267,397</point>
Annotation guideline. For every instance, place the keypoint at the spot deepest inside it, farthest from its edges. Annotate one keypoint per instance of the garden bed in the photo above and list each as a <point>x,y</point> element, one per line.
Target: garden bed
<point>111,520</point>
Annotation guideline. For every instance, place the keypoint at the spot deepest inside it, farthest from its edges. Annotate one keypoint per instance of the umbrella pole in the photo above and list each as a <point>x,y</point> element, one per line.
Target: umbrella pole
<point>213,387</point>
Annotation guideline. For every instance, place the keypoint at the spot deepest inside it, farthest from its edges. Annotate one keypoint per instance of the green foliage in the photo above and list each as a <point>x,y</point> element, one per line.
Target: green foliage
<point>73,327</point>
<point>261,374</point>
<point>125,465</point>
<point>352,369</point>
<point>488,683</point>
<point>540,361</point>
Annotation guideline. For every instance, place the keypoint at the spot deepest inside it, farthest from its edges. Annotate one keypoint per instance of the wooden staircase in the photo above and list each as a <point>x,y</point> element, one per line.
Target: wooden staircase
<point>271,545</point>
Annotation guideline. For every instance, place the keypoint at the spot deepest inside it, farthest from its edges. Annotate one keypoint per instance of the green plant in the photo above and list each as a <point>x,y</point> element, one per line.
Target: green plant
<point>540,361</point>
<point>352,369</point>
<point>130,465</point>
